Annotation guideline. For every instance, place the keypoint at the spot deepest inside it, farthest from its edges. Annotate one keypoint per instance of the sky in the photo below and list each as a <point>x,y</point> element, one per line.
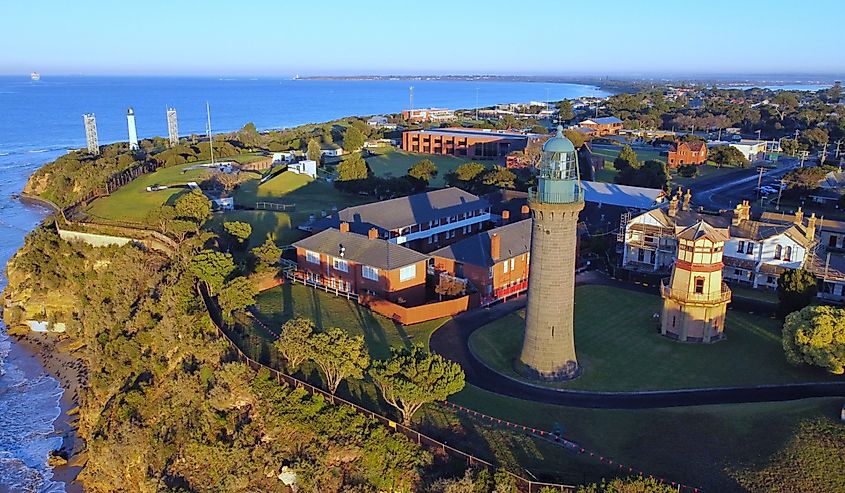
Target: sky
<point>354,37</point>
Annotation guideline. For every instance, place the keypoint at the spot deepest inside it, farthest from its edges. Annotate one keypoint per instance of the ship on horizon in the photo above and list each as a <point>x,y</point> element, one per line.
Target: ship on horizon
<point>35,76</point>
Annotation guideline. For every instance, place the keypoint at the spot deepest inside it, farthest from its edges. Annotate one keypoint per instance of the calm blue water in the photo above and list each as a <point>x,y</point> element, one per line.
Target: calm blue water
<point>39,121</point>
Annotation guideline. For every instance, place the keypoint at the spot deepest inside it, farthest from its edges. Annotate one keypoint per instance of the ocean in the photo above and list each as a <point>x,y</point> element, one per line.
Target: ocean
<point>40,121</point>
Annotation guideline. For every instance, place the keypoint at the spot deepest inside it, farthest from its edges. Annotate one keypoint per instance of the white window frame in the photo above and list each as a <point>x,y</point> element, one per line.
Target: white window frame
<point>506,267</point>
<point>312,257</point>
<point>340,264</point>
<point>513,262</point>
<point>408,273</point>
<point>369,272</point>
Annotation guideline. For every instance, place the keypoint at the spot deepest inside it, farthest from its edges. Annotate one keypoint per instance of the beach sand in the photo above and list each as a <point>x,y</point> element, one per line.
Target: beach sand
<point>52,351</point>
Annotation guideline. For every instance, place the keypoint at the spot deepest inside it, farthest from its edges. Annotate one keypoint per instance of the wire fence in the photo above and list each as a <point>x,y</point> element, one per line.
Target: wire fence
<point>526,485</point>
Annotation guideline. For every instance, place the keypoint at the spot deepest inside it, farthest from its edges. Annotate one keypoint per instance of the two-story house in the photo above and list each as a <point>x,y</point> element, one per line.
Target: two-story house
<point>756,252</point>
<point>342,260</point>
<point>423,222</point>
<point>494,261</point>
<point>682,153</point>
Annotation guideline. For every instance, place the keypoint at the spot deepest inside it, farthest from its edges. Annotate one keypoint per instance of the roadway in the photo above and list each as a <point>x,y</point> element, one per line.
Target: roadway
<point>727,190</point>
<point>451,341</point>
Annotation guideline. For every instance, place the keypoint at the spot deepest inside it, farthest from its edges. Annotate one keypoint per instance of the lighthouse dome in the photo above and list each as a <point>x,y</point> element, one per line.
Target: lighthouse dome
<point>558,143</point>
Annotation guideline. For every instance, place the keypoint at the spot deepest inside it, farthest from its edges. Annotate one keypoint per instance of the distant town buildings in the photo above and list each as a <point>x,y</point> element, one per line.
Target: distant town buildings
<point>172,127</point>
<point>682,153</point>
<point>428,115</point>
<point>608,125</point>
<point>380,121</point>
<point>466,142</point>
<point>133,134</point>
<point>91,133</point>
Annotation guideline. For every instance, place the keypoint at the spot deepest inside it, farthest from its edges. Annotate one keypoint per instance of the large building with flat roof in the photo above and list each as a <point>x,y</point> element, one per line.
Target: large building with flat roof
<point>472,143</point>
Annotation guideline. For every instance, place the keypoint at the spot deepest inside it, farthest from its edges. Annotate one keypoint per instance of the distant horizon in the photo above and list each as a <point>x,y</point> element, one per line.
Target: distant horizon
<point>659,38</point>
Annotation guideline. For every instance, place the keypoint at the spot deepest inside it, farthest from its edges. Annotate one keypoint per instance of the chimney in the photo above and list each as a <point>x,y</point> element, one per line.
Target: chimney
<point>673,206</point>
<point>344,227</point>
<point>525,211</point>
<point>495,246</point>
<point>799,217</point>
<point>506,215</point>
<point>371,234</point>
<point>687,198</point>
<point>811,227</point>
<point>739,214</point>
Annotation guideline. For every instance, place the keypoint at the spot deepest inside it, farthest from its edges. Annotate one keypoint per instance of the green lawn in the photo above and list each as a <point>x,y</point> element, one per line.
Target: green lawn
<point>133,202</point>
<point>619,348</point>
<point>290,188</point>
<point>280,224</point>
<point>702,446</point>
<point>704,171</point>
<point>396,163</point>
<point>608,174</point>
<point>282,303</point>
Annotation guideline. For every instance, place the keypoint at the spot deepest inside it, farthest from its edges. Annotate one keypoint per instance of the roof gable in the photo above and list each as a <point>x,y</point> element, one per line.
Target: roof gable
<point>361,249</point>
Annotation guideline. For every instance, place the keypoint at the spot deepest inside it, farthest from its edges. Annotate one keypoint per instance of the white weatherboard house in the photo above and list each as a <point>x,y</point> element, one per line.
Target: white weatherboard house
<point>756,252</point>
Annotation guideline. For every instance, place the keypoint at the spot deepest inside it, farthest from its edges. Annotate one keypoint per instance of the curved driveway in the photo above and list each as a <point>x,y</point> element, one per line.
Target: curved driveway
<point>450,341</point>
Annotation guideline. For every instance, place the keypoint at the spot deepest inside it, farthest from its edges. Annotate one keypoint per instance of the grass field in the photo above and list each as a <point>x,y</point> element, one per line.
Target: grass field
<point>610,154</point>
<point>280,224</point>
<point>282,303</point>
<point>619,348</point>
<point>396,163</point>
<point>133,202</point>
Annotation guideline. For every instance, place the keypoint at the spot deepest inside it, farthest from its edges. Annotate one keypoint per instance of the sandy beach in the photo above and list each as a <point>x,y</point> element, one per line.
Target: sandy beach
<point>50,352</point>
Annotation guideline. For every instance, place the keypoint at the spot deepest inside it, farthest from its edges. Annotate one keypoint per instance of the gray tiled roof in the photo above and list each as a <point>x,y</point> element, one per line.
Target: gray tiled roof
<point>475,250</point>
<point>415,209</point>
<point>358,248</point>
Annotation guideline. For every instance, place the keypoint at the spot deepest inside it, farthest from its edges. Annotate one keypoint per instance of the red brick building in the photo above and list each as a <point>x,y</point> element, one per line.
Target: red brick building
<point>428,115</point>
<point>470,143</point>
<point>363,265</point>
<point>608,125</point>
<point>682,153</point>
<point>495,262</point>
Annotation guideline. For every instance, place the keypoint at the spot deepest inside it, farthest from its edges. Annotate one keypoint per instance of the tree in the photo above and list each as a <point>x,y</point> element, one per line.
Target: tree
<point>238,230</point>
<point>505,482</point>
<point>815,336</point>
<point>413,377</point>
<point>267,253</point>
<point>249,136</point>
<point>796,289</point>
<point>628,485</point>
<point>783,103</point>
<point>688,170</point>
<point>353,139</point>
<point>500,177</point>
<point>728,156</point>
<point>627,158</point>
<point>652,174</point>
<point>423,170</point>
<point>193,206</point>
<point>237,294</point>
<point>815,137</point>
<point>295,342</point>
<point>789,146</point>
<point>565,111</point>
<point>469,171</point>
<point>339,356</point>
<point>449,286</point>
<point>212,267</point>
<point>313,150</point>
<point>353,167</point>
<point>577,138</point>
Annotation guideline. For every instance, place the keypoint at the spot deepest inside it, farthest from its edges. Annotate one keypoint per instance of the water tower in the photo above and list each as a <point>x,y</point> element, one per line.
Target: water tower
<point>548,349</point>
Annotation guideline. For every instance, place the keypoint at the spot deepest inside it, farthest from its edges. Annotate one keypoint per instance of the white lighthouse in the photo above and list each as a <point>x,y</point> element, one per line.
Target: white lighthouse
<point>133,135</point>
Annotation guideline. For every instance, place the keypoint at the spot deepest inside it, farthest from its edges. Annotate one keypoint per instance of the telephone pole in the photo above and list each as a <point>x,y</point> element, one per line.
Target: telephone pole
<point>804,155</point>
<point>760,183</point>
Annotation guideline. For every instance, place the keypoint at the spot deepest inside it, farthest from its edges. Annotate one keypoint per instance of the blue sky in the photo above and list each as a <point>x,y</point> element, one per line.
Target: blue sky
<point>333,37</point>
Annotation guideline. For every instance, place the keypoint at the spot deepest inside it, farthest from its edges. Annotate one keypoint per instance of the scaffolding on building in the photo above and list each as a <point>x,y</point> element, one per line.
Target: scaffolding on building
<point>91,133</point>
<point>645,236</point>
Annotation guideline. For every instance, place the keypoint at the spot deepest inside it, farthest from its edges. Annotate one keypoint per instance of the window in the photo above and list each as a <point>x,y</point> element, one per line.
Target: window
<point>312,257</point>
<point>407,273</point>
<point>737,272</point>
<point>749,249</point>
<point>506,266</point>
<point>640,255</point>
<point>513,262</point>
<point>787,254</point>
<point>740,247</point>
<point>699,285</point>
<point>431,239</point>
<point>832,241</point>
<point>340,264</point>
<point>370,273</point>
<point>770,279</point>
<point>778,251</point>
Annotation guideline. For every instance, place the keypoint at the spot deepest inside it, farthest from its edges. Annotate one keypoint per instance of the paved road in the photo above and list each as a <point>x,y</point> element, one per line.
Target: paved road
<point>450,341</point>
<point>725,191</point>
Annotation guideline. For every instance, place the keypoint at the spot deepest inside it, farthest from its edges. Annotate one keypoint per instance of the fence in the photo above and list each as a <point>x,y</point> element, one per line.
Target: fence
<point>525,485</point>
<point>273,206</point>
<point>416,314</point>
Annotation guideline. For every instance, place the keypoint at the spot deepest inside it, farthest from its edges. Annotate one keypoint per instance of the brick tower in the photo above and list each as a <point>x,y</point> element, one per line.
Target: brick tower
<point>695,298</point>
<point>548,349</point>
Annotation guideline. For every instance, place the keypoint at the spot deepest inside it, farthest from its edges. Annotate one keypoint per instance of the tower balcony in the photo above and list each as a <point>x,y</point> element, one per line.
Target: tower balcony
<point>682,296</point>
<point>561,195</point>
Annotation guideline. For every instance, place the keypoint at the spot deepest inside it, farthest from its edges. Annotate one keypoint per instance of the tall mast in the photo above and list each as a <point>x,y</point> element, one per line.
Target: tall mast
<point>208,128</point>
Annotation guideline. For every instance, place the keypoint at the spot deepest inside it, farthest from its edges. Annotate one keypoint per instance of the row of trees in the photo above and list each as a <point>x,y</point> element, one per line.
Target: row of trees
<point>650,174</point>
<point>409,379</point>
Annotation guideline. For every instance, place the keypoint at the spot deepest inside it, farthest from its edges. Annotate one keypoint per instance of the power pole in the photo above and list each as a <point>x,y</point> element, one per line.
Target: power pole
<point>760,183</point>
<point>476,104</point>
<point>838,143</point>
<point>411,100</point>
<point>824,154</point>
<point>804,155</point>
<point>780,190</point>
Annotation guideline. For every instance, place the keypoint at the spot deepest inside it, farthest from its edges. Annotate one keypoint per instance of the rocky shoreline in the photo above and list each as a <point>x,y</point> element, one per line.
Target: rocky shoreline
<point>55,356</point>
